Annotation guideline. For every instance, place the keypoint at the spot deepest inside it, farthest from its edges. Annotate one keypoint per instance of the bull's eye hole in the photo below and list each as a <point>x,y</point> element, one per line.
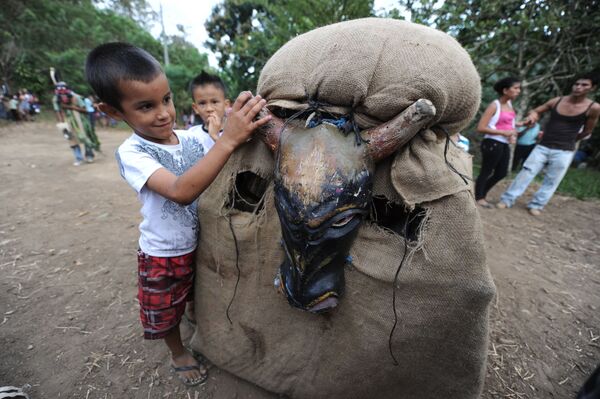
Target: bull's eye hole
<point>343,222</point>
<point>397,218</point>
<point>248,193</point>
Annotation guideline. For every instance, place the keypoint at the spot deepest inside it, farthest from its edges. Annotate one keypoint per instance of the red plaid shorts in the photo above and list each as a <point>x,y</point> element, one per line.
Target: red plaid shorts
<point>165,284</point>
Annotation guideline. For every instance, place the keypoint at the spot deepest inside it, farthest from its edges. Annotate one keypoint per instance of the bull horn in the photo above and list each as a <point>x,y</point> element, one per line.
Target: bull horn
<point>270,132</point>
<point>386,138</point>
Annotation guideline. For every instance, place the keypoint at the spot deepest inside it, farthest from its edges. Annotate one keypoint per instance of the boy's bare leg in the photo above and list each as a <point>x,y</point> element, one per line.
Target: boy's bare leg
<point>180,356</point>
<point>190,312</point>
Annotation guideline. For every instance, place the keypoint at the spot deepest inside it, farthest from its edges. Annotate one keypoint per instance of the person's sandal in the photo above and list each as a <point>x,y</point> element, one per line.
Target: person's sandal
<point>12,392</point>
<point>186,381</point>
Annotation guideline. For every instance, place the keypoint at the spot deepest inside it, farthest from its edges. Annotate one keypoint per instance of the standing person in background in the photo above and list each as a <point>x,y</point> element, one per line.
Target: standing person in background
<point>572,118</point>
<point>498,125</point>
<point>4,113</point>
<point>185,118</point>
<point>13,107</point>
<point>35,105</point>
<point>24,105</point>
<point>194,119</point>
<point>76,116</point>
<point>4,90</point>
<point>528,136</point>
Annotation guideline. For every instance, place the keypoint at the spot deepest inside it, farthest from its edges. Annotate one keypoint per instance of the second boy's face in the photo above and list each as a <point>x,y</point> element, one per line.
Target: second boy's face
<point>148,109</point>
<point>209,100</point>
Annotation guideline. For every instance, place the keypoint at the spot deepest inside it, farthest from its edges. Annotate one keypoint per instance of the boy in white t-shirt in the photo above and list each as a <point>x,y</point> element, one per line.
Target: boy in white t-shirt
<point>210,103</point>
<point>169,170</point>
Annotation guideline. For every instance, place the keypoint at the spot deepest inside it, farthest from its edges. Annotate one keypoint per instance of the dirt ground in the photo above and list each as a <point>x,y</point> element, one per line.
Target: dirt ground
<point>69,319</point>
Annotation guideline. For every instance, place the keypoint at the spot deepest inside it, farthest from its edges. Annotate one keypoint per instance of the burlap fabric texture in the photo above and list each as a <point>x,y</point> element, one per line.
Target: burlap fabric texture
<point>443,289</point>
<point>443,295</point>
<point>374,68</point>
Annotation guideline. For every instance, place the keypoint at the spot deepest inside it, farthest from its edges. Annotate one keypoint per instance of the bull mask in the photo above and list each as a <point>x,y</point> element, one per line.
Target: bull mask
<point>323,190</point>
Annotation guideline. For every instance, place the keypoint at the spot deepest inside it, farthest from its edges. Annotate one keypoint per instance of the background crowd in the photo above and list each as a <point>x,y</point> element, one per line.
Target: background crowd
<point>21,106</point>
<point>543,43</point>
<point>550,151</point>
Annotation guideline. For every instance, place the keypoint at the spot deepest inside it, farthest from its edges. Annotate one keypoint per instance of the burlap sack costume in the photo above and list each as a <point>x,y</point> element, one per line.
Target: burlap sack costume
<point>443,289</point>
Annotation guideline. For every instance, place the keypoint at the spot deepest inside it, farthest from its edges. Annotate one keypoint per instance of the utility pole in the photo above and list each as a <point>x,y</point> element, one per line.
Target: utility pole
<point>163,36</point>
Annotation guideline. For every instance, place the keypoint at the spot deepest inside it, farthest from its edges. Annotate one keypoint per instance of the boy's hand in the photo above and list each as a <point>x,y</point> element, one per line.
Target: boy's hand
<point>240,122</point>
<point>214,126</point>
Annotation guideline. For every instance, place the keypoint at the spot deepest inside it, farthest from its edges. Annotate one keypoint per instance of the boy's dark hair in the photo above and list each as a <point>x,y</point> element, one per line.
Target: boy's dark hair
<point>505,83</point>
<point>593,77</point>
<point>204,79</point>
<point>109,63</point>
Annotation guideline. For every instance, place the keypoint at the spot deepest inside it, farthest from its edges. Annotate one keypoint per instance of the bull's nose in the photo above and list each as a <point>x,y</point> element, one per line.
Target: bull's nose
<point>320,306</point>
<point>325,305</point>
<point>316,293</point>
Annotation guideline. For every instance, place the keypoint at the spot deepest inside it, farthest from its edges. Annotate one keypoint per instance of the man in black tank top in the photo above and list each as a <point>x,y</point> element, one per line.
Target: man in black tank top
<point>572,118</point>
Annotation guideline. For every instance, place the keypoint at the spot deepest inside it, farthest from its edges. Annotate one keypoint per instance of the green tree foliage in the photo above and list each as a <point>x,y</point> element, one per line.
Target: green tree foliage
<point>138,10</point>
<point>245,33</point>
<point>546,42</point>
<point>185,63</point>
<point>40,34</point>
<point>59,33</point>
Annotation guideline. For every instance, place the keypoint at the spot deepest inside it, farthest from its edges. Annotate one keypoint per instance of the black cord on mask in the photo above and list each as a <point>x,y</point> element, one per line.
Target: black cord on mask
<point>237,267</point>
<point>450,166</point>
<point>395,361</point>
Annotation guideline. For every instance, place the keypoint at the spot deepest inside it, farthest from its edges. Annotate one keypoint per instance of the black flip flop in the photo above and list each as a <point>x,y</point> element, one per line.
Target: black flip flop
<point>186,381</point>
<point>12,392</point>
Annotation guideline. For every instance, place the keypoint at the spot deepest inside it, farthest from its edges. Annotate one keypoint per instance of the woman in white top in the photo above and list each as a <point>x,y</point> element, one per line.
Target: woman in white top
<point>498,125</point>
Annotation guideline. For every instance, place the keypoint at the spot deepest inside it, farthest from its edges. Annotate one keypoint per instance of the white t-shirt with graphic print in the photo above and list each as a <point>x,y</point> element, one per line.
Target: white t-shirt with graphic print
<point>202,132</point>
<point>167,229</point>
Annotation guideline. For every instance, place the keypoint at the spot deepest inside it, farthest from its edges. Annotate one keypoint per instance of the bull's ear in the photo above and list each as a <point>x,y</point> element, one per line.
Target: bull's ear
<point>386,138</point>
<point>270,132</point>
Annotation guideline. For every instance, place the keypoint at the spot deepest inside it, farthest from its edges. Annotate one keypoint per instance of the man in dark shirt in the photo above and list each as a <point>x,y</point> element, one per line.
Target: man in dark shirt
<point>572,118</point>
